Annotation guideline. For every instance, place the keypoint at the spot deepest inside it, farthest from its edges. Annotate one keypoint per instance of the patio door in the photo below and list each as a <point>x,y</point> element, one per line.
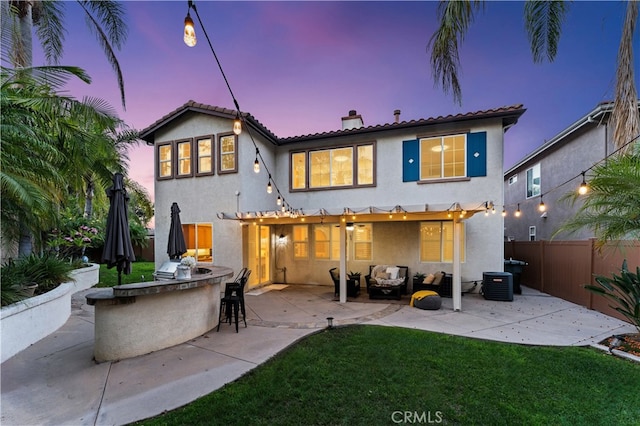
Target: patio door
<point>259,255</point>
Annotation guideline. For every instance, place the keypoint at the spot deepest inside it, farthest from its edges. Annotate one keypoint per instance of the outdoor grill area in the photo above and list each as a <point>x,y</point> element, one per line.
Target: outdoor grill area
<point>136,319</point>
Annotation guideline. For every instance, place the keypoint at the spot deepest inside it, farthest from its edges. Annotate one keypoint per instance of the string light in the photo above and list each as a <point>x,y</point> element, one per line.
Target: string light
<point>269,188</point>
<point>583,186</point>
<point>237,124</point>
<point>256,164</point>
<point>504,212</point>
<point>279,201</point>
<point>189,30</point>
<point>541,206</point>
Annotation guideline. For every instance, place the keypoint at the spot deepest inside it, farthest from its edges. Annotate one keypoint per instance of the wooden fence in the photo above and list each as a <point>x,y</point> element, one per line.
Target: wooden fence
<point>562,268</point>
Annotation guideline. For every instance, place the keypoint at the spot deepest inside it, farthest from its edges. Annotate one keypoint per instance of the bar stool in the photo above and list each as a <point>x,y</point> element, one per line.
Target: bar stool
<point>233,301</point>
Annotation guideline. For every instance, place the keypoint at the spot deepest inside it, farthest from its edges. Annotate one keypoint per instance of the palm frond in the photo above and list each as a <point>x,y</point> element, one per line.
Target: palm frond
<point>455,18</point>
<point>50,30</point>
<point>543,22</point>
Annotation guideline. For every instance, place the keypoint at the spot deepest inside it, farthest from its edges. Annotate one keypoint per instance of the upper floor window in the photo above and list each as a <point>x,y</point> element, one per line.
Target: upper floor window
<point>443,157</point>
<point>513,179</point>
<point>300,241</point>
<point>341,167</point>
<point>228,153</point>
<point>165,161</point>
<point>533,181</point>
<point>436,241</point>
<point>184,158</point>
<point>204,155</point>
<point>434,158</point>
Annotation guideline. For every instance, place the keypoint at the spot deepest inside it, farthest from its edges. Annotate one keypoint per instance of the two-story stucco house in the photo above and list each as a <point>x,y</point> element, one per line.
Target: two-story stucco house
<point>417,193</point>
<point>550,172</point>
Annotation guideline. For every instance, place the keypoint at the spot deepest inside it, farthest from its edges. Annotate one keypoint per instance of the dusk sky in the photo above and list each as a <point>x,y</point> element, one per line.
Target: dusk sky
<point>298,67</point>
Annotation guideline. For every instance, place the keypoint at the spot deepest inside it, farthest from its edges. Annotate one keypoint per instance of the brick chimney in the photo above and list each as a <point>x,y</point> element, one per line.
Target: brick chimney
<point>396,114</point>
<point>352,121</point>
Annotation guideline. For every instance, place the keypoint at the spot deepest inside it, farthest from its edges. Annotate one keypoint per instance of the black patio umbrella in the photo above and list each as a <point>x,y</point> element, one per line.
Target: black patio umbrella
<point>176,246</point>
<point>118,250</point>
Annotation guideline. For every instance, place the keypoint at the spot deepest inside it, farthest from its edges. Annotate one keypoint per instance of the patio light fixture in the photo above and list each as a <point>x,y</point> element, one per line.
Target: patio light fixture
<point>349,226</point>
<point>517,213</point>
<point>237,124</point>
<point>269,187</point>
<point>541,206</point>
<point>330,322</point>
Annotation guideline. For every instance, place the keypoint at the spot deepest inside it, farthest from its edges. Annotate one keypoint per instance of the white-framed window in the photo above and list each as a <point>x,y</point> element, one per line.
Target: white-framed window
<point>443,157</point>
<point>532,233</point>
<point>199,240</point>
<point>326,242</point>
<point>533,181</point>
<point>513,179</point>
<point>301,241</point>
<point>436,241</point>
<point>362,237</point>
<point>340,167</point>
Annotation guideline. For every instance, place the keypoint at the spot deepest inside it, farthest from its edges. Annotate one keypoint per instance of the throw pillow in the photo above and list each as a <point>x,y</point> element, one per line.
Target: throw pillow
<point>429,279</point>
<point>393,272</point>
<point>438,278</point>
<point>383,275</point>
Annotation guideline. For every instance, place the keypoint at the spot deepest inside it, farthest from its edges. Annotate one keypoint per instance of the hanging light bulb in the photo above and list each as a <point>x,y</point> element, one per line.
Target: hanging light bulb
<point>189,31</point>
<point>256,164</point>
<point>517,213</point>
<point>237,125</point>
<point>583,186</point>
<point>504,212</point>
<point>269,188</point>
<point>541,206</point>
<point>279,201</point>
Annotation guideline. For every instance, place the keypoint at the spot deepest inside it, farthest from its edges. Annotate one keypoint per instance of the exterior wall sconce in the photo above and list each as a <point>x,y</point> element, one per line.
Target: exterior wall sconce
<point>349,226</point>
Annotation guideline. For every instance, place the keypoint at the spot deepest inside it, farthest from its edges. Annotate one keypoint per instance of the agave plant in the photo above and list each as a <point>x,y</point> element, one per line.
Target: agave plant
<point>623,290</point>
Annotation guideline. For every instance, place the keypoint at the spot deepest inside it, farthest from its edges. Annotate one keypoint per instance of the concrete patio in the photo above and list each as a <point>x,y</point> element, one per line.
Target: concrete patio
<point>56,382</point>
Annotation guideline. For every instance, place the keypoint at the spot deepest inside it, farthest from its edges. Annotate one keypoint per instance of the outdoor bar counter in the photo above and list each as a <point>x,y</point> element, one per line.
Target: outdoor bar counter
<point>136,319</point>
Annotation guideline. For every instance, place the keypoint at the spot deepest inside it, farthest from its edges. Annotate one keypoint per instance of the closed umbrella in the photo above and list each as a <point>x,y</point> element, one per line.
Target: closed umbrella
<point>118,250</point>
<point>176,246</point>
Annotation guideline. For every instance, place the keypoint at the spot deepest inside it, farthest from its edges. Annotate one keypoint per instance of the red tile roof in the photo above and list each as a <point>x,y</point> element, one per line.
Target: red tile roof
<point>509,115</point>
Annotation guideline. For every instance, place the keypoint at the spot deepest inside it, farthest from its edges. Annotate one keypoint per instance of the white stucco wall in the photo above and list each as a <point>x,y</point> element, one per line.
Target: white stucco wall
<point>201,198</point>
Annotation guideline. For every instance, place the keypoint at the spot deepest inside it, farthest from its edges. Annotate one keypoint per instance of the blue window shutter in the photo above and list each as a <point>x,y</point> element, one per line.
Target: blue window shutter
<point>477,154</point>
<point>410,161</point>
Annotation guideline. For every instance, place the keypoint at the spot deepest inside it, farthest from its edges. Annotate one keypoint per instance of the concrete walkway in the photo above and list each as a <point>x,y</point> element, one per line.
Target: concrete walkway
<point>56,382</point>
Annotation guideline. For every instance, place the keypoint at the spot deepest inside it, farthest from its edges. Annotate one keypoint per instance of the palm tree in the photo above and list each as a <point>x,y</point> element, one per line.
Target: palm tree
<point>543,20</point>
<point>47,140</point>
<point>105,19</point>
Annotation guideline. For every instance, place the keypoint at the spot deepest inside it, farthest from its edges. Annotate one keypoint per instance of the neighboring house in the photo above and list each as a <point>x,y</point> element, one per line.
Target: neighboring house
<point>552,171</point>
<point>411,189</point>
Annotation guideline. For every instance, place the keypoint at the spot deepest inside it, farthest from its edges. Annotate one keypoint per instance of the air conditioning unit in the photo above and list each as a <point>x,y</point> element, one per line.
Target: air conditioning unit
<point>497,286</point>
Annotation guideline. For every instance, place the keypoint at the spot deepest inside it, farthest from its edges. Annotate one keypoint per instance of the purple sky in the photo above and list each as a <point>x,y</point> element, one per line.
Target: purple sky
<point>300,66</point>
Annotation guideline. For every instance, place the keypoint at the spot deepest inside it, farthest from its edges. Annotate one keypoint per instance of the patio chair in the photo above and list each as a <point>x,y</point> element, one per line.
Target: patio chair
<point>233,300</point>
<point>353,285</point>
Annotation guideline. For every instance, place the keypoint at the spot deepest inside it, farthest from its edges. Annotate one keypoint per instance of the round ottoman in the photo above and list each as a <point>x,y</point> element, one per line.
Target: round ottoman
<point>428,300</point>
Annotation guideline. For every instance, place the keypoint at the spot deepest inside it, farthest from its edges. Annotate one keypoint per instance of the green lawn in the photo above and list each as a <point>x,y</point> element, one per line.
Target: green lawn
<point>371,375</point>
<point>109,277</point>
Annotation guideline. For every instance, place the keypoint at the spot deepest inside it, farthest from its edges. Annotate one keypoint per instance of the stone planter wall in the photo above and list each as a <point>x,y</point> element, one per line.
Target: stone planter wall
<point>25,322</point>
